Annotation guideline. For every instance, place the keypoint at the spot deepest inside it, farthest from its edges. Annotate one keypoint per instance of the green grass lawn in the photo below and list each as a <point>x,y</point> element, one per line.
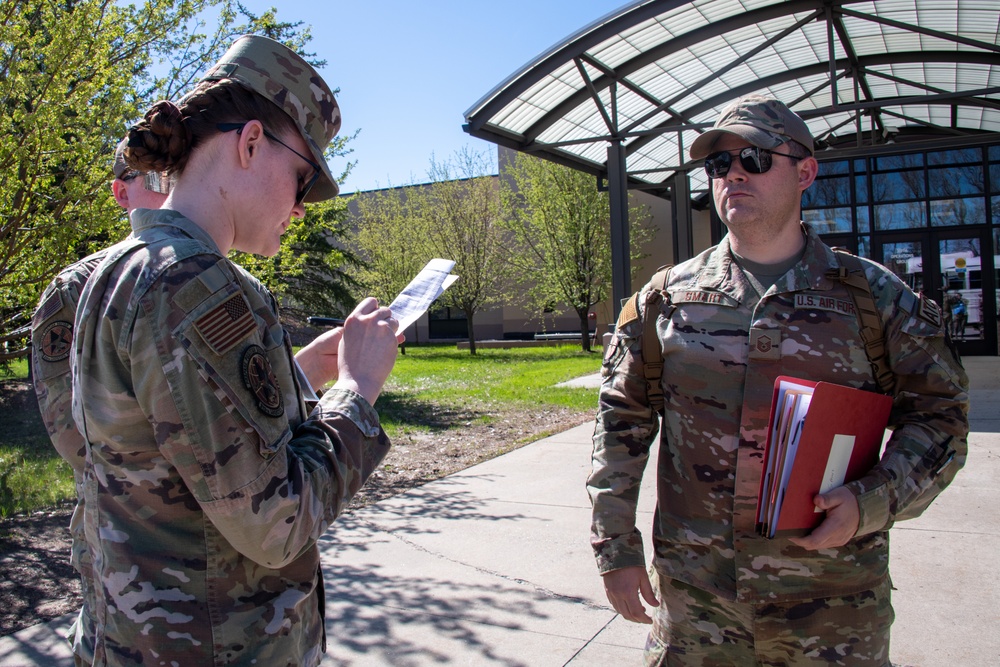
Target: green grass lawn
<point>32,475</point>
<point>431,379</point>
<point>428,384</point>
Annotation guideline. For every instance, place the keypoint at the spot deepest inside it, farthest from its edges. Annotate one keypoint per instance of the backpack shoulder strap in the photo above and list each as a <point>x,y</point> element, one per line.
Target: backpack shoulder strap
<point>652,352</point>
<point>851,274</point>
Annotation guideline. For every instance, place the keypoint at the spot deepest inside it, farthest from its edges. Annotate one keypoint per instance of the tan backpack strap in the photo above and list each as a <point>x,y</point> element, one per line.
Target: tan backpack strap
<point>852,275</point>
<point>652,351</point>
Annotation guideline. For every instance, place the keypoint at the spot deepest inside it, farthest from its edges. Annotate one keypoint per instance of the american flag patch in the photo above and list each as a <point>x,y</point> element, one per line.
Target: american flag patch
<point>227,324</point>
<point>51,306</point>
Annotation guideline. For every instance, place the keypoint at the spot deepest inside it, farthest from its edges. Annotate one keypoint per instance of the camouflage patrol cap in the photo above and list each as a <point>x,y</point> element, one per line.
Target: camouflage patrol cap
<point>764,122</point>
<point>277,73</point>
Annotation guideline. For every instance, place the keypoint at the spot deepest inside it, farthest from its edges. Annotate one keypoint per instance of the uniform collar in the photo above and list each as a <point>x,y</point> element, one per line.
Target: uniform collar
<point>721,273</point>
<point>144,220</point>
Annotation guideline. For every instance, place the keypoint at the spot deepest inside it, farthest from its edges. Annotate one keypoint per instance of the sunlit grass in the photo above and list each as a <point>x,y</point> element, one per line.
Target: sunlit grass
<point>29,482</point>
<point>450,378</point>
<point>14,370</point>
<point>32,475</point>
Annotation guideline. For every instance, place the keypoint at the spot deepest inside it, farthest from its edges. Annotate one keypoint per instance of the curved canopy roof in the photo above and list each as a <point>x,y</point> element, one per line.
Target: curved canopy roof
<point>655,73</point>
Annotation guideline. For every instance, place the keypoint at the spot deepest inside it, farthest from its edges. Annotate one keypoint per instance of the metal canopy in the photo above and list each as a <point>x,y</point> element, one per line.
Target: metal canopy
<point>654,74</point>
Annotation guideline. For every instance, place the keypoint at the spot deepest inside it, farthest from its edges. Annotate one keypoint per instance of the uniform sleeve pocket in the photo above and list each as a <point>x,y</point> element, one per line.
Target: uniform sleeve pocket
<point>236,406</point>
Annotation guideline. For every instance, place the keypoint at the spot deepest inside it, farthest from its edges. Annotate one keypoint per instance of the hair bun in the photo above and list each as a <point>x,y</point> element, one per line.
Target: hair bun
<point>160,141</point>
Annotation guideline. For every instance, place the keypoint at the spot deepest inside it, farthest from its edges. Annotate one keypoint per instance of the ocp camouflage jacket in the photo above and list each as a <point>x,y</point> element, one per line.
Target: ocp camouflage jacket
<point>207,483</point>
<point>722,350</point>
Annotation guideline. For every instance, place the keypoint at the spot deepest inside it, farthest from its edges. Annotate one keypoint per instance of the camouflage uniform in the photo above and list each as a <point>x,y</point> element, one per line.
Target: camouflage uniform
<point>52,338</point>
<point>722,350</point>
<point>206,482</point>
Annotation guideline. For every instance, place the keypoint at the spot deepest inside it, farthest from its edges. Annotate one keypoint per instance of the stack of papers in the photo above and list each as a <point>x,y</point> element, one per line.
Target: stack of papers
<point>820,436</point>
<point>791,404</point>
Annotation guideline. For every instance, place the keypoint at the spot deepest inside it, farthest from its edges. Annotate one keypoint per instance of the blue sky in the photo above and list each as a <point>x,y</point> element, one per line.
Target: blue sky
<point>408,70</point>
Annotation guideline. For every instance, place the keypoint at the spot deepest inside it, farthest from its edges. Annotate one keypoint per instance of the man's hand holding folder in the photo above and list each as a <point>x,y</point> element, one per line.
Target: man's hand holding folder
<point>820,436</point>
<point>839,526</point>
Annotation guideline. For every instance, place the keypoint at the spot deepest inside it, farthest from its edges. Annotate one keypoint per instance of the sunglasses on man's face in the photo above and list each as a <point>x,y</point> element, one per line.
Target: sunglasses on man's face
<point>754,160</point>
<point>153,181</point>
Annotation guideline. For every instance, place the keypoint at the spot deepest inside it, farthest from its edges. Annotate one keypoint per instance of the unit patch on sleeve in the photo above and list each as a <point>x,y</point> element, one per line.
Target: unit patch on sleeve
<point>227,324</point>
<point>56,341</point>
<point>259,378</point>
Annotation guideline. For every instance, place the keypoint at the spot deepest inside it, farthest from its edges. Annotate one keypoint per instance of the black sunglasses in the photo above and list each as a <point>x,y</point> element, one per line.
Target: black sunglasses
<point>308,185</point>
<point>754,160</point>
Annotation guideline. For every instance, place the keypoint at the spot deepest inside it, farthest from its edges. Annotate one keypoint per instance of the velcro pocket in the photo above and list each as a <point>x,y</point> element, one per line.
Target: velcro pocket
<point>240,417</point>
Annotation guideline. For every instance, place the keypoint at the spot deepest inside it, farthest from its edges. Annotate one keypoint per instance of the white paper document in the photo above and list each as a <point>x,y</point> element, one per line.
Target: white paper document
<point>418,296</point>
<point>836,464</point>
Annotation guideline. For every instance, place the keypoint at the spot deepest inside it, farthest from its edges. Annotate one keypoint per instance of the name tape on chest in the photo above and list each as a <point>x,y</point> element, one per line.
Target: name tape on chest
<point>710,298</point>
<point>816,302</point>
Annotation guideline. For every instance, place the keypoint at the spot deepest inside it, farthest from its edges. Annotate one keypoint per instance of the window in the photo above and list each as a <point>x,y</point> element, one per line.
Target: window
<point>944,188</point>
<point>900,216</point>
<point>898,185</point>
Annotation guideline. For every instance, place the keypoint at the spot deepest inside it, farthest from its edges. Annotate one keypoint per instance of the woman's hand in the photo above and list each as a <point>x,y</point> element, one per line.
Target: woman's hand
<point>368,348</point>
<point>319,359</point>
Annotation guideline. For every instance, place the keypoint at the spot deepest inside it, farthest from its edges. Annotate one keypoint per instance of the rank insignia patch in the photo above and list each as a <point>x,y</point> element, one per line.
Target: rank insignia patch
<point>259,379</point>
<point>57,339</point>
<point>227,324</point>
<point>765,344</point>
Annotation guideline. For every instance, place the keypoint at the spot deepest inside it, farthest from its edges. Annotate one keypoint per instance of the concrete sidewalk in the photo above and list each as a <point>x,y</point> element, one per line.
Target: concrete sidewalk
<point>492,566</point>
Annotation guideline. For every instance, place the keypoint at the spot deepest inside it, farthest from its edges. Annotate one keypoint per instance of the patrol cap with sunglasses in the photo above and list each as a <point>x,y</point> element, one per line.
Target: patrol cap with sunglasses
<point>152,180</point>
<point>761,121</point>
<point>277,73</point>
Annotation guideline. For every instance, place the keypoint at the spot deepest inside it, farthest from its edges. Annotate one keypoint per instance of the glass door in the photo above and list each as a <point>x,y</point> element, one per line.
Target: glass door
<point>966,274</point>
<point>904,256</point>
<point>962,286</point>
<point>949,267</point>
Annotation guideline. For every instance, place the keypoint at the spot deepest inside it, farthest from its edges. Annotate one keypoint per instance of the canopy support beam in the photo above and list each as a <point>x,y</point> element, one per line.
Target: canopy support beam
<point>621,271</point>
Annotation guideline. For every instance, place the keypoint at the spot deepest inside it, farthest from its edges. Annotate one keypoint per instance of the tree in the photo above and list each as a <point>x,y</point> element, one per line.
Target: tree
<point>390,237</point>
<point>561,223</point>
<point>463,221</point>
<point>73,75</point>
<point>456,216</point>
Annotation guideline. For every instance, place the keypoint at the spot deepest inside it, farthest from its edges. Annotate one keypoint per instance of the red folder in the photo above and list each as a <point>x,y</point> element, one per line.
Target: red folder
<point>838,441</point>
